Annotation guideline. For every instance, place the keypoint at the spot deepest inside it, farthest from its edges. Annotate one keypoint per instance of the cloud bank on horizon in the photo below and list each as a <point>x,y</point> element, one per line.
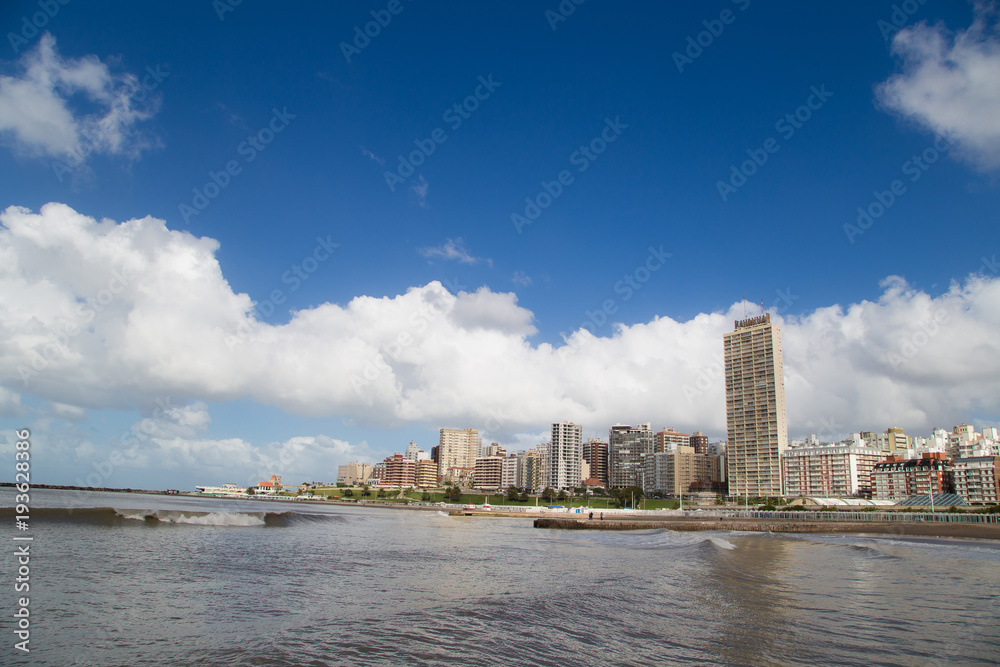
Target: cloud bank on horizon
<point>112,315</point>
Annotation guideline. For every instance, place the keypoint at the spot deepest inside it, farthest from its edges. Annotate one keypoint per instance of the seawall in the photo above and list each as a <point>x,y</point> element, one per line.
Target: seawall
<point>902,528</point>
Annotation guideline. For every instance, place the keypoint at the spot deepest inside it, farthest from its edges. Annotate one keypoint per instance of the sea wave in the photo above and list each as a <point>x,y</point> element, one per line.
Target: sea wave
<point>110,516</point>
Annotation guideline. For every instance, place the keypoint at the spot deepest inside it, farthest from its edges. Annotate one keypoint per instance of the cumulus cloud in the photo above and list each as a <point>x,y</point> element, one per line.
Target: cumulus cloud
<point>41,108</point>
<point>950,83</point>
<point>105,315</point>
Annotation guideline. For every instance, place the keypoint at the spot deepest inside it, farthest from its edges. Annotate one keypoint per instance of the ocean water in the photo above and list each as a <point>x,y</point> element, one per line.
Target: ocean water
<point>157,580</point>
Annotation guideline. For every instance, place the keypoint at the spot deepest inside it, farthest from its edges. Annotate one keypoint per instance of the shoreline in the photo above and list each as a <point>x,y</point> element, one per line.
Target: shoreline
<point>897,528</point>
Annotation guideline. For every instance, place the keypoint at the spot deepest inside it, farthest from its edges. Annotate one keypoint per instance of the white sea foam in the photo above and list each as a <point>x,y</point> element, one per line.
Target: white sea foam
<point>722,544</point>
<point>196,518</point>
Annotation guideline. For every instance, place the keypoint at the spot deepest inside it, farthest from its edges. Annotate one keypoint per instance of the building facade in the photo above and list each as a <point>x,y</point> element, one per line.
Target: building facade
<point>595,453</point>
<point>564,456</point>
<point>977,479</point>
<point>681,471</point>
<point>399,472</point>
<point>628,448</point>
<point>897,478</point>
<point>756,425</point>
<point>354,473</point>
<point>829,470</point>
<point>668,439</point>
<point>426,474</point>
<point>489,473</point>
<point>457,452</point>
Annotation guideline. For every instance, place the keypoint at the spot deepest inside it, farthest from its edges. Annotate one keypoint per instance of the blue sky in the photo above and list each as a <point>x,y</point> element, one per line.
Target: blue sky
<point>282,248</point>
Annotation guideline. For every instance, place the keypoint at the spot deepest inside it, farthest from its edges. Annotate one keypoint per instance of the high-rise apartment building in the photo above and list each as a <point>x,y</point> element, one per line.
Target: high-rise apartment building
<point>457,452</point>
<point>565,455</point>
<point>529,470</point>
<point>757,430</point>
<point>628,446</point>
<point>595,453</point>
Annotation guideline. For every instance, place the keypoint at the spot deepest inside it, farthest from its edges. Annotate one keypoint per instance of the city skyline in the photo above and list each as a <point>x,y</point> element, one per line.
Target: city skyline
<point>375,224</point>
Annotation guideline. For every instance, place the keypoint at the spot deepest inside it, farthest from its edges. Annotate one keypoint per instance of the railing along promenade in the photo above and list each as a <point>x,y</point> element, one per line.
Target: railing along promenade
<point>836,515</point>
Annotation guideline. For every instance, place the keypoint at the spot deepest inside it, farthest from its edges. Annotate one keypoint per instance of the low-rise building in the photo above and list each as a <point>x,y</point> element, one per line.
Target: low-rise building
<point>354,473</point>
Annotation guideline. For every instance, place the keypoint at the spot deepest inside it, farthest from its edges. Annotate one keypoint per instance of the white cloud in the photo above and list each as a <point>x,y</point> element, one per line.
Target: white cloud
<point>371,156</point>
<point>453,249</point>
<point>521,278</point>
<point>161,320</point>
<point>40,109</point>
<point>950,83</point>
<point>420,189</point>
<point>10,403</point>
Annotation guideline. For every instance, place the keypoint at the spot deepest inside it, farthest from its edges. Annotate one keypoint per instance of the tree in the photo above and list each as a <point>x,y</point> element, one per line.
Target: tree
<point>454,494</point>
<point>381,493</point>
<point>425,496</point>
<point>524,497</point>
<point>548,495</point>
<point>512,494</point>
<point>349,493</point>
<point>562,495</point>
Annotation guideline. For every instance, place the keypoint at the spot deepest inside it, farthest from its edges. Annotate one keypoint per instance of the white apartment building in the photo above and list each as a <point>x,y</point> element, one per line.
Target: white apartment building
<point>565,452</point>
<point>829,470</point>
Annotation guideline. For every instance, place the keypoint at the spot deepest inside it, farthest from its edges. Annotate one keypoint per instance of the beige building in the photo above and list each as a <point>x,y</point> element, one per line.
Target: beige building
<point>757,429</point>
<point>354,473</point>
<point>678,472</point>
<point>426,476</point>
<point>829,470</point>
<point>457,452</point>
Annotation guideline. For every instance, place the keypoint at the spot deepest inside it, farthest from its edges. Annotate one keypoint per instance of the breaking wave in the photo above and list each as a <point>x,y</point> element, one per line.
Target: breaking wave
<point>109,516</point>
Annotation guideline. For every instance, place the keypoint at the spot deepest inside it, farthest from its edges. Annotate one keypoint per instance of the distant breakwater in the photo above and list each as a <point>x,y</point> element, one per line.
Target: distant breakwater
<point>974,531</point>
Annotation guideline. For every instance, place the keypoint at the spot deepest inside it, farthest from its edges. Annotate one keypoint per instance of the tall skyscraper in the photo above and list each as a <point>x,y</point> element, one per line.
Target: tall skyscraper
<point>628,447</point>
<point>757,428</point>
<point>565,455</point>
